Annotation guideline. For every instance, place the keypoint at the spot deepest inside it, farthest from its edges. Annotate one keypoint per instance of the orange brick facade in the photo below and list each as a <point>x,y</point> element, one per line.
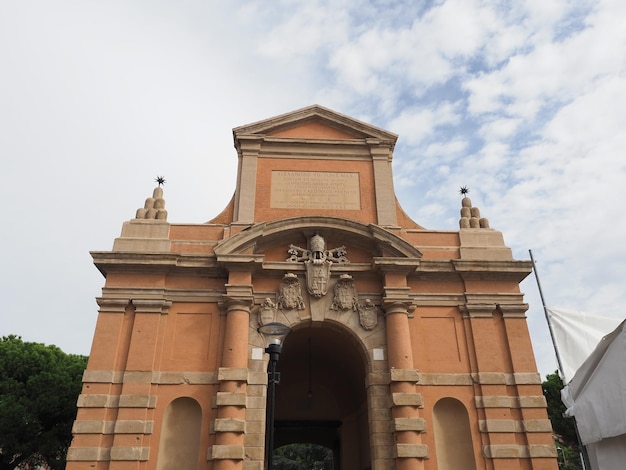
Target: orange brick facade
<point>409,349</point>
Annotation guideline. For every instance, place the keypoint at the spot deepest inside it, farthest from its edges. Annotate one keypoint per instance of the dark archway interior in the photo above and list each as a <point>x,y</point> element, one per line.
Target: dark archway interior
<point>322,397</point>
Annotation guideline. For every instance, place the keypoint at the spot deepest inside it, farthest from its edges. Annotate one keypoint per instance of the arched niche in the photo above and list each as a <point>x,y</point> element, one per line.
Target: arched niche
<point>179,445</point>
<point>453,436</point>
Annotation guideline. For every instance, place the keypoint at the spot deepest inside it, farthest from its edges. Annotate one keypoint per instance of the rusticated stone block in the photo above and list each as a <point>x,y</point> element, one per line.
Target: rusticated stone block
<point>380,414</point>
<point>409,424</point>
<point>445,379</point>
<point>405,375</point>
<point>256,402</point>
<point>256,414</point>
<point>230,399</point>
<point>254,440</point>
<point>227,373</point>
<point>533,402</point>
<point>537,425</point>
<point>538,450</point>
<point>380,402</point>
<point>499,425</point>
<point>102,376</point>
<point>130,453</point>
<point>93,427</point>
<point>377,378</point>
<point>255,453</point>
<point>137,401</point>
<point>490,378</point>
<point>133,427</point>
<point>527,378</point>
<point>502,451</point>
<point>495,402</point>
<point>220,452</point>
<point>257,378</point>
<point>75,454</point>
<point>408,399</point>
<point>412,450</point>
<point>137,377</point>
<point>230,425</point>
<point>255,427</point>
<point>381,426</point>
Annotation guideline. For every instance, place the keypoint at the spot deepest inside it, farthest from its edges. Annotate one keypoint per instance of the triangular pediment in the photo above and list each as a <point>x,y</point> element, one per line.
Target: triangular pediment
<point>315,122</point>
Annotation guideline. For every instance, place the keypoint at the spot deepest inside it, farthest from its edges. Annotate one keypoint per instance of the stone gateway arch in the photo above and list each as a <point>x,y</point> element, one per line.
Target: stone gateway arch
<point>409,347</point>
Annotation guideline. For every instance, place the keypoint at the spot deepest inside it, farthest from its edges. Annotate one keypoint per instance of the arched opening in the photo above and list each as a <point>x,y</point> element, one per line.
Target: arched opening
<point>322,397</point>
<point>179,446</point>
<point>453,436</point>
<point>303,457</point>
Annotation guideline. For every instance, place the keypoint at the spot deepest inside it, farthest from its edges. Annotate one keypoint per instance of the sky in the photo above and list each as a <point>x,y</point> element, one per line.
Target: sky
<point>523,102</point>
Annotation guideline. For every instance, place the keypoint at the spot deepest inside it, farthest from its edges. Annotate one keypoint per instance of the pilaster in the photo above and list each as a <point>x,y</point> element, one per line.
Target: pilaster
<point>228,452</point>
<point>407,424</point>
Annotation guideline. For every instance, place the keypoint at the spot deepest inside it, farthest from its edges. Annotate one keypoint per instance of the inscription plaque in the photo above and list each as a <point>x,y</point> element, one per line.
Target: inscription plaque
<point>315,190</point>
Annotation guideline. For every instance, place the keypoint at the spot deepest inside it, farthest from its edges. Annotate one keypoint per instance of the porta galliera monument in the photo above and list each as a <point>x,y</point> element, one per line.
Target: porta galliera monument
<point>409,347</point>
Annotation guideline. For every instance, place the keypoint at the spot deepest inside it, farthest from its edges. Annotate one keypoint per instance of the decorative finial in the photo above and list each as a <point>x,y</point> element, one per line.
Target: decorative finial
<point>154,208</point>
<point>464,191</point>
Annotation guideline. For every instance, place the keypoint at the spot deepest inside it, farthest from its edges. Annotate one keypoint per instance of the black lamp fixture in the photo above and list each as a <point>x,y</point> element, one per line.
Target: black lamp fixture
<point>274,335</point>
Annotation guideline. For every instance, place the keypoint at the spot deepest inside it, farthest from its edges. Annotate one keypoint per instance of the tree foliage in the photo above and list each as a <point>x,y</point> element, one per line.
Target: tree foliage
<point>303,457</point>
<point>564,428</point>
<point>39,386</point>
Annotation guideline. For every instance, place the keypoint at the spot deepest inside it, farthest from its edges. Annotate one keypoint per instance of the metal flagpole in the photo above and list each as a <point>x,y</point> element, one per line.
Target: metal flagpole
<point>545,311</point>
<point>584,458</point>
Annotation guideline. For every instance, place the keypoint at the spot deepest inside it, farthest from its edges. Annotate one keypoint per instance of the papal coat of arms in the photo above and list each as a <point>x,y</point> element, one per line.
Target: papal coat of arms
<point>318,261</point>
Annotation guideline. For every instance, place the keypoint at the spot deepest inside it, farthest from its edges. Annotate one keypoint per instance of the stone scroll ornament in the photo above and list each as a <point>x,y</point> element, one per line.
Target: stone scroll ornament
<point>290,293</point>
<point>318,261</point>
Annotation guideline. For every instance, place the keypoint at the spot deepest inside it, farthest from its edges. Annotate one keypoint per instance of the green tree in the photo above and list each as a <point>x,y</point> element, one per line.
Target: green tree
<point>564,428</point>
<point>39,386</point>
<point>303,457</point>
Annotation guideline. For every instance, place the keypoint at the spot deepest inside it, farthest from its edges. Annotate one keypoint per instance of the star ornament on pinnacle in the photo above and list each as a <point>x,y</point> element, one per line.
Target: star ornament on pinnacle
<point>160,180</point>
<point>464,191</point>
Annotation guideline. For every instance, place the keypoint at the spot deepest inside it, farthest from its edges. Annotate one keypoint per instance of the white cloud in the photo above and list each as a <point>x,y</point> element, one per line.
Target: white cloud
<point>522,102</point>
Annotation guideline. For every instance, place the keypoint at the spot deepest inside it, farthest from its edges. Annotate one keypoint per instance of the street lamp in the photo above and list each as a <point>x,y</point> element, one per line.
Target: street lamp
<point>274,334</point>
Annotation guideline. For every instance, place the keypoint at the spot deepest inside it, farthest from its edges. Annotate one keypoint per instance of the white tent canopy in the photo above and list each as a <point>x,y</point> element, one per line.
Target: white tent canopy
<point>596,397</point>
<point>576,335</point>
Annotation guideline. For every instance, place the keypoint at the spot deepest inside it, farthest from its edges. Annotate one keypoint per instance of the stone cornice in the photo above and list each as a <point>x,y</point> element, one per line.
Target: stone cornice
<point>156,263</point>
<point>492,270</point>
<point>315,112</point>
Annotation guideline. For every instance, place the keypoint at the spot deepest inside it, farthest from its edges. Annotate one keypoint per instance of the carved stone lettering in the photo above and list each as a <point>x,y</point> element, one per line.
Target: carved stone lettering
<point>315,190</point>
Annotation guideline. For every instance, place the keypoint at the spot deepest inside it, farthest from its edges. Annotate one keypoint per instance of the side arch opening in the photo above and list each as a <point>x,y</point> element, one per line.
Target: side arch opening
<point>453,436</point>
<point>179,445</point>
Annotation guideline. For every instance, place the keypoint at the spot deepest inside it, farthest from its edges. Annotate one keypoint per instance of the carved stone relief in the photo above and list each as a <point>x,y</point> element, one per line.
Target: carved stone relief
<point>368,315</point>
<point>318,261</point>
<point>345,297</point>
<point>267,312</point>
<point>290,293</point>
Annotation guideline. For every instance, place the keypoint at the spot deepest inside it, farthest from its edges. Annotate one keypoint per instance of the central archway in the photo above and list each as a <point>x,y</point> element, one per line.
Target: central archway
<point>322,397</point>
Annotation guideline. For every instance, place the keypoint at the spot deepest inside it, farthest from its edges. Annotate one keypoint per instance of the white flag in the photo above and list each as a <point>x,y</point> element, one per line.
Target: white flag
<point>576,335</point>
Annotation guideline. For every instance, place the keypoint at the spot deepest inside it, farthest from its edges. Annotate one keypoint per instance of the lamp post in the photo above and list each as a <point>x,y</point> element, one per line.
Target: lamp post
<point>274,334</point>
